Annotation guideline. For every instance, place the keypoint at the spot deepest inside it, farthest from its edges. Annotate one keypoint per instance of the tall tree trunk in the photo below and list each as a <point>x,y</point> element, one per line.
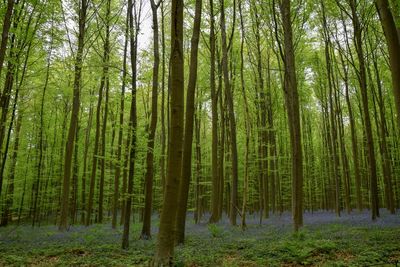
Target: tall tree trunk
<point>165,249</point>
<point>9,199</point>
<point>74,116</point>
<point>6,28</point>
<point>199,192</point>
<point>120,164</point>
<point>41,126</point>
<point>85,160</point>
<point>134,26</point>
<point>221,144</point>
<point>149,176</point>
<point>332,112</point>
<point>292,103</point>
<point>106,84</point>
<point>5,103</point>
<point>75,170</point>
<point>362,78</point>
<point>393,42</point>
<point>383,134</point>
<point>272,156</point>
<point>263,118</point>
<point>186,171</point>
<point>95,152</point>
<point>247,122</point>
<point>4,159</point>
<point>163,73</point>
<point>354,145</point>
<point>215,190</point>
<point>231,116</point>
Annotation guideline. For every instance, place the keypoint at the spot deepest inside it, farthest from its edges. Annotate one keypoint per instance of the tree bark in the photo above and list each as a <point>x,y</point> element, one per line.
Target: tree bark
<point>9,200</point>
<point>354,145</point>
<point>134,27</point>
<point>6,28</point>
<point>292,103</point>
<point>163,72</point>
<point>215,190</point>
<point>362,79</point>
<point>149,176</point>
<point>186,171</point>
<point>106,85</point>
<point>231,116</point>
<point>120,164</point>
<point>383,144</point>
<point>74,116</point>
<point>393,42</point>
<point>165,249</point>
<point>247,122</point>
<point>332,112</point>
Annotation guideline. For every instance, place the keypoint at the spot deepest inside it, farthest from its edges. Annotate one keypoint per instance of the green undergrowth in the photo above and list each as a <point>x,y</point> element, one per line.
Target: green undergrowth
<point>212,245</point>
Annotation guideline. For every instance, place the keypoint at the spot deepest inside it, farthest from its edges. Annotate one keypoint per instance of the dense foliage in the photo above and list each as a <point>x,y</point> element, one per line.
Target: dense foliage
<point>112,110</point>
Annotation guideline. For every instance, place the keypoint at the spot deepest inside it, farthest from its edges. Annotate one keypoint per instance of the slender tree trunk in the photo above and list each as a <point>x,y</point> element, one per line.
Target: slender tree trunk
<point>5,103</point>
<point>362,78</point>
<point>215,190</point>
<point>21,204</point>
<point>95,154</point>
<point>125,175</point>
<point>343,154</point>
<point>165,249</point>
<point>354,145</point>
<point>263,118</point>
<point>272,156</point>
<point>149,176</point>
<point>74,116</point>
<point>292,103</point>
<point>9,200</point>
<point>134,26</point>
<point>247,122</point>
<point>231,116</point>
<point>383,134</point>
<point>332,113</point>
<point>41,126</point>
<point>75,170</point>
<point>6,28</point>
<point>85,159</point>
<point>4,159</point>
<point>393,42</point>
<point>186,171</point>
<point>120,130</point>
<point>163,72</point>
<point>221,145</point>
<point>106,85</point>
<point>199,194</point>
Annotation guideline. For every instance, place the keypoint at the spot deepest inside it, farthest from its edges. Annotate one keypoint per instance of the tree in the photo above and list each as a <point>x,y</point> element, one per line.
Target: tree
<point>247,120</point>
<point>231,117</point>
<point>362,79</point>
<point>188,134</point>
<point>166,235</point>
<point>106,87</point>
<point>215,190</point>
<point>6,28</point>
<point>292,105</point>
<point>120,164</point>
<point>83,7</point>
<point>149,176</point>
<point>393,42</point>
<point>135,12</point>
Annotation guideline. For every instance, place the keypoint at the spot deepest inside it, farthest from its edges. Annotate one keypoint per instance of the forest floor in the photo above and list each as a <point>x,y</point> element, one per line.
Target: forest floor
<point>325,240</point>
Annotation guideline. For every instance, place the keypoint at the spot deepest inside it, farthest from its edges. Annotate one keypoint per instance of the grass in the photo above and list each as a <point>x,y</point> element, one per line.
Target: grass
<point>338,243</point>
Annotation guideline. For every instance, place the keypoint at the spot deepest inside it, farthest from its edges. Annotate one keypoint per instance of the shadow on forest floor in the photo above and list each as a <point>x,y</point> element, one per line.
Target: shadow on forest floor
<point>325,240</point>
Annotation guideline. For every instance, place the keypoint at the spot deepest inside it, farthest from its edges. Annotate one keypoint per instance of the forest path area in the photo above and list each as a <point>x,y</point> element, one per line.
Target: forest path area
<point>325,240</point>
